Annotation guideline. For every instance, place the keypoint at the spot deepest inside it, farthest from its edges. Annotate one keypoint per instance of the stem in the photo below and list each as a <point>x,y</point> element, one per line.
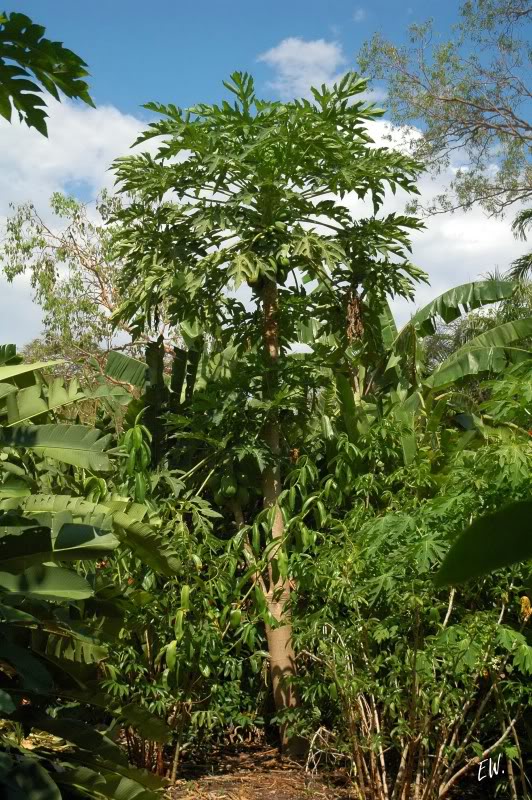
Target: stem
<point>282,656</point>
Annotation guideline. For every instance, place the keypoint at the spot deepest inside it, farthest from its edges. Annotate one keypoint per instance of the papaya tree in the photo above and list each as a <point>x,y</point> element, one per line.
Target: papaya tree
<point>247,197</point>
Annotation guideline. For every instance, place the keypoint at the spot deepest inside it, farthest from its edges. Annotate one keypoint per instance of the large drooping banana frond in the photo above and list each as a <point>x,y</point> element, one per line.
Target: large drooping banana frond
<point>521,268</point>
<point>78,445</point>
<point>402,360</point>
<point>492,351</point>
<point>43,538</point>
<point>399,378</point>
<point>458,301</point>
<point>126,369</point>
<point>481,549</point>
<point>28,403</point>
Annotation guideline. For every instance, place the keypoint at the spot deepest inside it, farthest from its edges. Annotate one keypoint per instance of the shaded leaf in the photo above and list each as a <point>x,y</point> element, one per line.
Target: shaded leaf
<point>491,542</point>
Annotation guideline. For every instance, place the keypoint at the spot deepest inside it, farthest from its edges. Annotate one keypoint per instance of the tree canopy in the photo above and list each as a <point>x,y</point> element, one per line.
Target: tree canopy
<point>470,95</point>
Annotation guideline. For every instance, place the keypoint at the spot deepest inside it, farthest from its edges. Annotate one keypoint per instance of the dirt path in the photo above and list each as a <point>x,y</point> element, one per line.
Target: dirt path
<point>254,774</point>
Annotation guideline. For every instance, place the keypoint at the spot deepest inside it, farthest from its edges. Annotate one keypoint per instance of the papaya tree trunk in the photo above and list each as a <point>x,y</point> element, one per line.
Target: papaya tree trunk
<point>280,647</point>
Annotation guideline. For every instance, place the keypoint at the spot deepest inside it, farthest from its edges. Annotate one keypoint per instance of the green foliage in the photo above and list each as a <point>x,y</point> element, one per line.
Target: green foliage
<point>72,444</point>
<point>459,300</point>
<point>264,186</point>
<point>387,660</point>
<point>376,470</point>
<point>491,542</point>
<point>375,457</point>
<point>484,354</point>
<point>521,268</point>
<point>125,369</point>
<point>25,56</point>
<point>50,642</point>
<point>71,272</point>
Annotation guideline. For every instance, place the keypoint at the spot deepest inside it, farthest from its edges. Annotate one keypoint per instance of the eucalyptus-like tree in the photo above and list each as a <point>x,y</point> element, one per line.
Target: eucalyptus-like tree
<point>257,196</point>
<point>73,277</point>
<point>470,96</point>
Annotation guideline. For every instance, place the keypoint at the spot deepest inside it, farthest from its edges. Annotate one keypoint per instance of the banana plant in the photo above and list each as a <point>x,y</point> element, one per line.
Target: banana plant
<point>482,549</point>
<point>403,358</point>
<point>162,391</point>
<point>401,383</point>
<point>49,645</point>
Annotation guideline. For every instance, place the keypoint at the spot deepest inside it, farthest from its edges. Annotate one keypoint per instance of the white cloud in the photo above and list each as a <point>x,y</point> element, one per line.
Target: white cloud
<point>300,64</point>
<point>81,144</point>
<point>75,158</point>
<point>359,14</point>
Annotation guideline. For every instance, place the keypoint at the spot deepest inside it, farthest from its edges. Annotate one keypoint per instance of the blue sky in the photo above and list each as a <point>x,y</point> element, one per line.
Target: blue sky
<point>179,52</point>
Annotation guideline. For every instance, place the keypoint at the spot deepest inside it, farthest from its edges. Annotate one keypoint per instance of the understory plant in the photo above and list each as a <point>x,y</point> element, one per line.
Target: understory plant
<point>415,686</point>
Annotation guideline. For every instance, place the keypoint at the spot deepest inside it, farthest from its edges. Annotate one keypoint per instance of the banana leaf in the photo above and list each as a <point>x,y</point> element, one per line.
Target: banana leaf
<point>78,445</point>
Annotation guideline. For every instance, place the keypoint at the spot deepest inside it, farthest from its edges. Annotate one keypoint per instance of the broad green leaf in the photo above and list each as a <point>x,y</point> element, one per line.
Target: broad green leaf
<point>29,780</point>
<point>146,544</point>
<point>11,371</point>
<point>83,735</point>
<point>55,504</point>
<point>488,352</point>
<point>14,487</point>
<point>126,369</point>
<point>152,727</point>
<point>35,676</point>
<point>78,445</point>
<point>473,361</point>
<point>452,304</point>
<point>491,542</point>
<point>388,327</point>
<point>500,336</point>
<point>8,354</point>
<point>24,546</point>
<point>35,400</point>
<point>352,415</point>
<point>48,583</point>
<point>116,393</point>
<point>6,389</point>
<point>7,705</point>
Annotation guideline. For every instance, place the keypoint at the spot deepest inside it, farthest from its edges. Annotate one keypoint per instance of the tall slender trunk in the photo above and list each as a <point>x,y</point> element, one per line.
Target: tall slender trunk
<point>280,647</point>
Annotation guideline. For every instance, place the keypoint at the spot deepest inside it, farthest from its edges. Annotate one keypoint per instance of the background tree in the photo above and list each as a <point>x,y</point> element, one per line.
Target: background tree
<point>470,96</point>
<point>75,280</point>
<point>27,56</point>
